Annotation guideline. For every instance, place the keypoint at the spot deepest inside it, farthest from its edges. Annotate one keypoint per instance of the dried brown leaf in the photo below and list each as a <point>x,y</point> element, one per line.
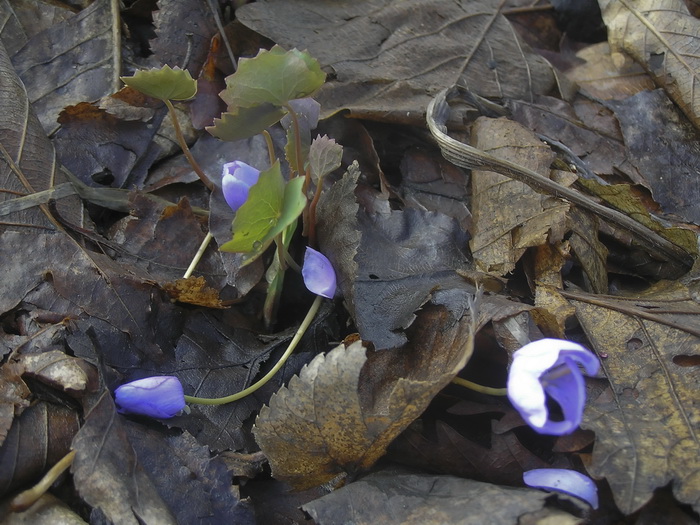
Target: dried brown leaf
<point>663,37</point>
<point>509,216</point>
<point>345,407</point>
<point>647,425</point>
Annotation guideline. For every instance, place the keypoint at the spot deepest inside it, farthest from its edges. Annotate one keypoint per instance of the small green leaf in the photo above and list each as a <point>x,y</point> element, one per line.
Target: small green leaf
<point>271,206</point>
<point>275,76</point>
<point>165,83</point>
<point>242,123</point>
<point>325,155</point>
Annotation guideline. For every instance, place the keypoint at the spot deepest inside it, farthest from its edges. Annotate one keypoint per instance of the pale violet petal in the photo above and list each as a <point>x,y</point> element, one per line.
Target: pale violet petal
<point>566,481</point>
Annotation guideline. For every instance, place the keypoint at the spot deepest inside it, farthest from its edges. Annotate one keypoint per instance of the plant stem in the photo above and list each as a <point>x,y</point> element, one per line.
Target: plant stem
<point>312,213</point>
<point>480,388</point>
<point>181,139</point>
<point>270,146</point>
<point>198,256</point>
<point>297,138</point>
<point>26,499</point>
<point>252,388</point>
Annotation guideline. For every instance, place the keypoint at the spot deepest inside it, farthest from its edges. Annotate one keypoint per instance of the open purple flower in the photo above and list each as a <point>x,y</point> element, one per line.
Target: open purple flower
<point>318,273</point>
<point>236,180</point>
<point>562,480</point>
<point>550,367</point>
<point>160,396</point>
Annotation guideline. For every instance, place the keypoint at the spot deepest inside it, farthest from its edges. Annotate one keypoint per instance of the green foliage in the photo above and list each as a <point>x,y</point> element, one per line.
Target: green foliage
<point>325,155</point>
<point>275,77</point>
<point>241,123</point>
<point>165,83</point>
<point>272,205</point>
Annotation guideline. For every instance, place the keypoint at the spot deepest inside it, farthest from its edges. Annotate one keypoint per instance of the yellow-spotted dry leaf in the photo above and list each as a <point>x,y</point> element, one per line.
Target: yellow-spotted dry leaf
<point>345,407</point>
<point>663,37</point>
<point>508,215</point>
<point>647,424</point>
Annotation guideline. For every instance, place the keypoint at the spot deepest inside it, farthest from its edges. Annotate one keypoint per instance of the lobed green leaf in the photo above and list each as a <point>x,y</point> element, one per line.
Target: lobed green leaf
<point>242,123</point>
<point>165,83</point>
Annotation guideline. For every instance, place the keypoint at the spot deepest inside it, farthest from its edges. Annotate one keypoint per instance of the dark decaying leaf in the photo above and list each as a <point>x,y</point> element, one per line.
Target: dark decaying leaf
<point>647,425</point>
<point>107,473</point>
<point>14,395</point>
<point>195,486</point>
<point>662,144</point>
<point>345,407</point>
<point>388,263</point>
<point>71,62</point>
<point>389,58</point>
<point>36,441</point>
<point>396,496</point>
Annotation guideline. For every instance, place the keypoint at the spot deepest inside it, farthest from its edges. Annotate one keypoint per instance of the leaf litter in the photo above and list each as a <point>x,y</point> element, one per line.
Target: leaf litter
<point>87,302</point>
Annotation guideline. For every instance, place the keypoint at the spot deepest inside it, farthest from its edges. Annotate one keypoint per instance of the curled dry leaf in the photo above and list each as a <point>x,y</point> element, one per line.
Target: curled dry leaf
<point>345,407</point>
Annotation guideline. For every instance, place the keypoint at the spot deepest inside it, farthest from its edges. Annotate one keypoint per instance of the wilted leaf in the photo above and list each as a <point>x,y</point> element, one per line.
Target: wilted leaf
<point>508,215</point>
<point>273,77</point>
<point>392,496</point>
<point>194,290</point>
<point>14,395</point>
<point>663,37</point>
<point>345,407</point>
<point>59,371</point>
<point>165,83</point>
<point>241,123</point>
<point>325,155</point>
<point>389,58</point>
<point>647,425</point>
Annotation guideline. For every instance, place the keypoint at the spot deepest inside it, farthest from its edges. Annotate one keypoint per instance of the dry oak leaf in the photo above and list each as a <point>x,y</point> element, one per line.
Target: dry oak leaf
<point>648,424</point>
<point>663,37</point>
<point>345,407</point>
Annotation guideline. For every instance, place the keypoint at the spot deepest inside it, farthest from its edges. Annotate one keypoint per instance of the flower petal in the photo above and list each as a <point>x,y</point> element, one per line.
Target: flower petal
<point>318,273</point>
<point>160,397</point>
<point>552,362</point>
<point>562,480</point>
<point>236,179</point>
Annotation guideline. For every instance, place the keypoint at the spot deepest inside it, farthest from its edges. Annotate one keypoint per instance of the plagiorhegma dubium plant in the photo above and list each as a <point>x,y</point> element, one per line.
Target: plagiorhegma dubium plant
<point>272,87</point>
<point>275,87</point>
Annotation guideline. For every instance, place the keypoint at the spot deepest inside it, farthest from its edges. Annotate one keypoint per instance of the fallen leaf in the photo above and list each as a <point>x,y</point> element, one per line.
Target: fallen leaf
<point>647,425</point>
<point>508,215</point>
<point>194,290</point>
<point>345,407</point>
<point>663,37</point>
<point>73,61</point>
<point>389,59</point>
<point>395,496</point>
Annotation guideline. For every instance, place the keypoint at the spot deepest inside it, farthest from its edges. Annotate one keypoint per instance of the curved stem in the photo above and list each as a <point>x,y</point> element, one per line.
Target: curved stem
<point>480,388</point>
<point>198,256</point>
<point>252,388</point>
<point>270,146</point>
<point>297,138</point>
<point>181,139</point>
<point>26,499</point>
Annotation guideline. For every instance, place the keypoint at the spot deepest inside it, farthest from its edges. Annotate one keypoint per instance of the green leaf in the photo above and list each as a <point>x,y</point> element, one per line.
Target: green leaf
<point>242,123</point>
<point>325,155</point>
<point>275,76</point>
<point>165,83</point>
<point>271,206</point>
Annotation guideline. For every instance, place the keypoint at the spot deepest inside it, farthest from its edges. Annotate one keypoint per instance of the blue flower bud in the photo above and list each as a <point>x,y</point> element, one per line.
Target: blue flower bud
<point>549,367</point>
<point>562,480</point>
<point>160,397</point>
<point>318,273</point>
<point>236,180</point>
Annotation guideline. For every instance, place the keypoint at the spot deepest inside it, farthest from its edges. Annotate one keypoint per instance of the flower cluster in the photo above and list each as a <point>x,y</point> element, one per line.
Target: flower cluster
<point>550,367</point>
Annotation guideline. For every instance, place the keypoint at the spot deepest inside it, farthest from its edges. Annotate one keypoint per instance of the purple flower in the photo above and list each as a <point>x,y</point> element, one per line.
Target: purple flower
<point>236,180</point>
<point>160,396</point>
<point>550,367</point>
<point>318,273</point>
<point>562,480</point>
